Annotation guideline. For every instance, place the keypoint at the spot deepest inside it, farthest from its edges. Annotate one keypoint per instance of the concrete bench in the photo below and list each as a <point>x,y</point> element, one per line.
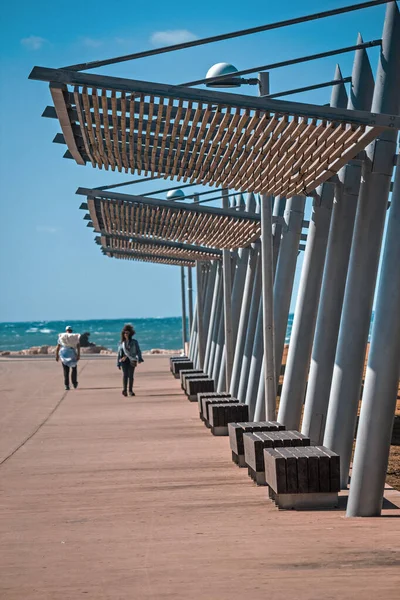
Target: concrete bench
<point>210,396</point>
<point>236,431</point>
<point>207,402</point>
<point>302,477</point>
<point>222,413</point>
<point>173,359</point>
<point>189,372</point>
<point>180,365</point>
<point>254,444</point>
<point>189,376</point>
<point>198,386</point>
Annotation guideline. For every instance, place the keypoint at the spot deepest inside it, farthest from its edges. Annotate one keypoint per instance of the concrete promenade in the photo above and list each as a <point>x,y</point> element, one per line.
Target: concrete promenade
<point>106,497</point>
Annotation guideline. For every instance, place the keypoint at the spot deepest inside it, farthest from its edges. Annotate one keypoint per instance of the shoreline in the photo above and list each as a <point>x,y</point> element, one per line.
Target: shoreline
<point>43,351</point>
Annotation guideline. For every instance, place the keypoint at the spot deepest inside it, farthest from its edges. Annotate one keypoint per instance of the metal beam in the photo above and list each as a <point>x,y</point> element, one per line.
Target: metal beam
<point>112,251</point>
<point>93,193</point>
<point>226,36</point>
<point>308,88</point>
<point>285,63</point>
<point>235,100</point>
<point>163,243</point>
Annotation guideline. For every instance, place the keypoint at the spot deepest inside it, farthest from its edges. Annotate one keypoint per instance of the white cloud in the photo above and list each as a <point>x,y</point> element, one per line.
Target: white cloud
<point>46,229</point>
<point>124,41</point>
<point>33,42</point>
<point>172,36</point>
<point>92,42</point>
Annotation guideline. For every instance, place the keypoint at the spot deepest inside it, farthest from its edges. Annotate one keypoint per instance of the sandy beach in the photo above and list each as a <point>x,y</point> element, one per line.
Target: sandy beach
<point>108,497</point>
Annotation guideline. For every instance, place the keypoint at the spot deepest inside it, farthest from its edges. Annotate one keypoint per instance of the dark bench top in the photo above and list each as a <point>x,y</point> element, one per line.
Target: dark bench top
<point>222,413</point>
<point>207,402</point>
<point>236,431</point>
<point>296,470</point>
<point>254,444</point>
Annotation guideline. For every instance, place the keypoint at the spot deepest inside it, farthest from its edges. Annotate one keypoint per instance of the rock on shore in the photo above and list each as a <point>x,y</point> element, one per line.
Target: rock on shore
<point>51,350</point>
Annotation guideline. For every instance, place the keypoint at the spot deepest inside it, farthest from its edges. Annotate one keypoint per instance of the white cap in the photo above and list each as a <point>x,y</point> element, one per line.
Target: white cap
<point>68,327</point>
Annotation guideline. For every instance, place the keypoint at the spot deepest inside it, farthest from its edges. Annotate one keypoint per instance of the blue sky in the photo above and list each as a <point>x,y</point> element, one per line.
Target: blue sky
<point>50,266</point>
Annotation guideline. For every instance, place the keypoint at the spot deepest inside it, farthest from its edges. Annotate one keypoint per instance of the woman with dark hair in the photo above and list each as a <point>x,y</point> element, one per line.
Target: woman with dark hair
<point>129,355</point>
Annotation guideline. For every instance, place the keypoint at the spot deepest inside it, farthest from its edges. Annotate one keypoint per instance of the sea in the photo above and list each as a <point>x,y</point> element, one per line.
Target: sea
<point>163,333</point>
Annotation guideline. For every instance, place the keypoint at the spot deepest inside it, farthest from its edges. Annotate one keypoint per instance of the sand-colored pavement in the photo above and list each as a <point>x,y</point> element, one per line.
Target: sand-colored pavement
<point>106,497</point>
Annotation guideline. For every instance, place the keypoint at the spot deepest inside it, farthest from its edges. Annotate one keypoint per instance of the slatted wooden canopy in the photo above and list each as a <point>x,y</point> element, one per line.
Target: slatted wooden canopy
<point>131,244</point>
<point>236,141</point>
<point>122,214</point>
<point>145,257</point>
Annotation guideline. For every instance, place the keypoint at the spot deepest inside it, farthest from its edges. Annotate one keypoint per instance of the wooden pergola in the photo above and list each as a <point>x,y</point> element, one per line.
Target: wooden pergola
<point>137,245</point>
<point>210,138</point>
<point>147,257</point>
<point>152,219</point>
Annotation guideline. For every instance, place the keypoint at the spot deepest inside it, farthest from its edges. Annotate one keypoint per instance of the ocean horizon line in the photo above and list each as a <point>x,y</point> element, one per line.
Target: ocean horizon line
<point>128,319</point>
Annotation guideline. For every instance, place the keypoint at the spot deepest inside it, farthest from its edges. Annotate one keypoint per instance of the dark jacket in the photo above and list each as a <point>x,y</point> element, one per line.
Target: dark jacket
<point>132,350</point>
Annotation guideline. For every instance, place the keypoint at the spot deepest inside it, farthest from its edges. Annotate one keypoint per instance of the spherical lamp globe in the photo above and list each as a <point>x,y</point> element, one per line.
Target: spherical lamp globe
<point>223,69</point>
<point>175,195</point>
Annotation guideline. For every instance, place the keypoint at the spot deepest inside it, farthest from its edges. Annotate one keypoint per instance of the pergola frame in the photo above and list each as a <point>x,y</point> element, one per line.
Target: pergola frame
<point>213,138</point>
<point>117,213</point>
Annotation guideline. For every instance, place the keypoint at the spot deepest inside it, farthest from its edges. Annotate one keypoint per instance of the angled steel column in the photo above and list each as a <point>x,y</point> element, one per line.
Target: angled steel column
<point>213,317</point>
<point>382,379</point>
<point>227,279</point>
<point>217,323</point>
<point>250,332</point>
<point>211,271</point>
<point>364,257</point>
<point>285,272</point>
<point>256,361</point>
<point>193,336</point>
<point>245,309</point>
<point>297,365</point>
<point>298,360</point>
<point>220,341</point>
<point>267,261</point>
<point>238,286</point>
<point>279,210</point>
<point>190,296</point>
<point>200,314</point>
<point>336,265</point>
<point>184,325</point>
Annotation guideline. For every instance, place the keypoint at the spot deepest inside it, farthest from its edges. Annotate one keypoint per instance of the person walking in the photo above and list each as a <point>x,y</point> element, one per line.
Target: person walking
<point>129,355</point>
<point>69,351</point>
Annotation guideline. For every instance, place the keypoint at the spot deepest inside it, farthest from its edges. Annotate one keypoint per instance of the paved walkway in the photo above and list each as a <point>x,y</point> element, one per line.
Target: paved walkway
<point>132,499</point>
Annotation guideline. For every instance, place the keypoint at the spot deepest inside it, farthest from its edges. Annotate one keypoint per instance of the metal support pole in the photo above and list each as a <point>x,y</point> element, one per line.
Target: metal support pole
<point>200,312</point>
<point>213,317</point>
<point>220,341</point>
<point>336,265</point>
<point>256,361</point>
<point>227,279</point>
<point>285,272</point>
<point>279,209</point>
<point>193,337</point>
<point>238,290</point>
<point>208,301</point>
<point>243,321</point>
<point>190,296</point>
<point>299,355</point>
<point>298,359</point>
<point>267,261</point>
<point>364,257</point>
<point>251,329</point>
<point>184,324</point>
<point>382,379</point>
<point>217,323</point>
